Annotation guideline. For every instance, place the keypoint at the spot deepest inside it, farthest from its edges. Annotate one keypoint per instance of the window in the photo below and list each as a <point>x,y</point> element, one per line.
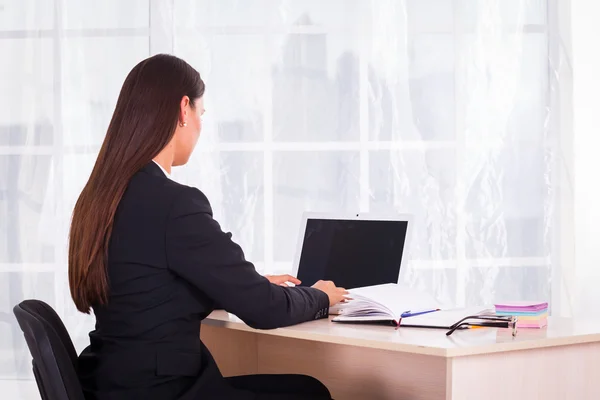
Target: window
<point>435,108</point>
<point>63,67</point>
<point>443,109</point>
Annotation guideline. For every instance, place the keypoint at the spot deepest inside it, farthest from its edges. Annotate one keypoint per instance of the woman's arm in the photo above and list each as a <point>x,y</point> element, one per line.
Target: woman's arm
<point>201,253</point>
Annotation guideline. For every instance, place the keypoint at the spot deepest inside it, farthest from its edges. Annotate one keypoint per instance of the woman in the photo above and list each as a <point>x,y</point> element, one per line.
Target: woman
<point>147,256</point>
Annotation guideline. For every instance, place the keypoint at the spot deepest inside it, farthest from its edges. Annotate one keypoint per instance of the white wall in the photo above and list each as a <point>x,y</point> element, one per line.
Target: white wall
<point>585,19</point>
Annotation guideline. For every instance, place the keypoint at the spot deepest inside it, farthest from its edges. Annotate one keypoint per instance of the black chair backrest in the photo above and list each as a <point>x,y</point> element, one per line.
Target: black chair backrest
<point>54,356</point>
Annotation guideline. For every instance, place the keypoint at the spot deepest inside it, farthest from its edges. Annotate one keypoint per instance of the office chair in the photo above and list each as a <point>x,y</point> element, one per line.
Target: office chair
<point>54,357</point>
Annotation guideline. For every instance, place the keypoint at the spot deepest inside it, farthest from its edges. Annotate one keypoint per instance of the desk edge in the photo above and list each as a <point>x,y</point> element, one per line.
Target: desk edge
<point>412,348</point>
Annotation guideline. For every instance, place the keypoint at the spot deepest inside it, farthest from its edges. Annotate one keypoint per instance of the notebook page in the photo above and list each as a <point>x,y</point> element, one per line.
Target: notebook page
<point>396,298</point>
<point>445,318</point>
<point>363,306</point>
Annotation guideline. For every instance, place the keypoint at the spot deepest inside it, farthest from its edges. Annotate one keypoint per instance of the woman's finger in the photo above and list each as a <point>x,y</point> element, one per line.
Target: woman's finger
<point>293,279</point>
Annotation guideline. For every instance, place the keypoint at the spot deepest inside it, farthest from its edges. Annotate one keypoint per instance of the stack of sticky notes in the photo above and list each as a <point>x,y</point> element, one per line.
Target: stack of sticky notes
<point>529,314</point>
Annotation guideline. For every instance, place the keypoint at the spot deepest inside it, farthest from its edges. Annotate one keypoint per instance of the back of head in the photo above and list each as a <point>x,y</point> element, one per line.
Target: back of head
<point>143,123</point>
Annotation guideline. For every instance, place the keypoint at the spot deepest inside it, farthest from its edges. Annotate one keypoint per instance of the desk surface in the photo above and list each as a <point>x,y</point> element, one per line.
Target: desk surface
<point>560,332</point>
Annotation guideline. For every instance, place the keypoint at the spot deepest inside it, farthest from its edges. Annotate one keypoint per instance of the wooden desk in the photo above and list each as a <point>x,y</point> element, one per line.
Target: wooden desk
<point>377,362</point>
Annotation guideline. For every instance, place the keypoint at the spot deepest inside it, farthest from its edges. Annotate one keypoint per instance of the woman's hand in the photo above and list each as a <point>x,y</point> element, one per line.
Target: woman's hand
<point>282,280</point>
<point>336,294</point>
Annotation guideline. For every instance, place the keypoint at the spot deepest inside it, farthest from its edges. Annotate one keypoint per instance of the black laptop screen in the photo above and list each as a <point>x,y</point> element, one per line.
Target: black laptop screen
<point>352,253</point>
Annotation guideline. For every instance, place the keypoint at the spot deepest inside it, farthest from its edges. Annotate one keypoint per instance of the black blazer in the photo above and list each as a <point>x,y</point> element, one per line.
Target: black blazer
<point>169,266</point>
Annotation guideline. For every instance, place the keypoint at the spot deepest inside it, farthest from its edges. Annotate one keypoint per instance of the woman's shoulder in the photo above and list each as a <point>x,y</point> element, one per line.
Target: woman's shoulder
<point>162,189</point>
<point>190,199</point>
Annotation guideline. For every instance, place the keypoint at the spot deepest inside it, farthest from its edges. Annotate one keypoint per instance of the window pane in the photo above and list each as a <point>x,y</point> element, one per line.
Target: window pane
<point>486,286</point>
<point>505,91</point>
<point>222,13</point>
<point>26,15</point>
<point>27,109</point>
<point>429,15</point>
<point>241,203</point>
<point>474,13</point>
<point>422,184</point>
<point>40,134</point>
<point>528,119</point>
<point>236,71</point>
<point>26,209</point>
<point>107,14</point>
<point>416,101</point>
<point>310,181</point>
<point>331,13</point>
<point>316,88</point>
<point>88,103</point>
<point>508,203</point>
<point>439,282</point>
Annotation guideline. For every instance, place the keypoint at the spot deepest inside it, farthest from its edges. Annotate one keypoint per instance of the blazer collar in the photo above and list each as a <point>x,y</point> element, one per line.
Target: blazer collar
<point>153,169</point>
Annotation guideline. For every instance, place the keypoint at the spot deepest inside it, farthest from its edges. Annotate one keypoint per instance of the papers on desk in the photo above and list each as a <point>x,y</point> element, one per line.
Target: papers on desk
<point>400,306</point>
<point>382,303</point>
<point>529,314</point>
<point>444,319</point>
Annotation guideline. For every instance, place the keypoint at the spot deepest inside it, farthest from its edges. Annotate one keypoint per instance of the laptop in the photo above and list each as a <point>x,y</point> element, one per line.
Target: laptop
<point>351,250</point>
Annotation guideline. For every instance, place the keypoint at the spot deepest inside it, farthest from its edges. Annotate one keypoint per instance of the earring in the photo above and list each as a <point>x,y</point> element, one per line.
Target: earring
<point>184,123</point>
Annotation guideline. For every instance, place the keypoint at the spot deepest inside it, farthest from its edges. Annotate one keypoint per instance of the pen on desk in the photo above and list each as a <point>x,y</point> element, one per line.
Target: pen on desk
<point>409,313</point>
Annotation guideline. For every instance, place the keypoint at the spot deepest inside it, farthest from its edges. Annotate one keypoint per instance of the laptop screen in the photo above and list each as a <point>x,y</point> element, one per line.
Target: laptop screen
<point>352,253</point>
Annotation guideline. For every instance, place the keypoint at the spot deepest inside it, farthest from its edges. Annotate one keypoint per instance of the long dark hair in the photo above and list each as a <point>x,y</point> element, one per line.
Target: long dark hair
<point>143,123</point>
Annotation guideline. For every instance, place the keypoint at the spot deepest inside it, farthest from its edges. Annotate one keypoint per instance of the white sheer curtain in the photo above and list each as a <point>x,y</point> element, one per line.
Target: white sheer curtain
<point>446,110</point>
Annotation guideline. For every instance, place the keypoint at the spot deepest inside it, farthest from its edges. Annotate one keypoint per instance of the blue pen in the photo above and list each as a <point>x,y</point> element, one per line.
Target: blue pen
<point>407,314</point>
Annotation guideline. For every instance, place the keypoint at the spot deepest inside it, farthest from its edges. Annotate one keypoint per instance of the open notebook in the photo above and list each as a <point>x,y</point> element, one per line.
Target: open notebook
<point>387,303</point>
